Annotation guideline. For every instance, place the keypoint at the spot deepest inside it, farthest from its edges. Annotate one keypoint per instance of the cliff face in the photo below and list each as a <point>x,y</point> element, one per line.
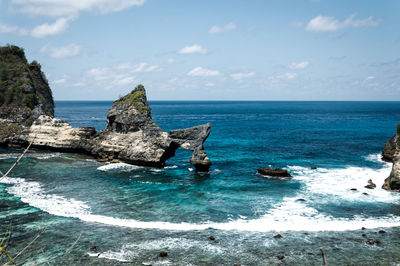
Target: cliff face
<point>27,115</point>
<point>24,90</point>
<point>391,152</point>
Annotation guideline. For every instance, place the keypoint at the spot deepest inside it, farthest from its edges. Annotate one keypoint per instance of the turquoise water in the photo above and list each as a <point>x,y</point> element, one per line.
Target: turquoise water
<point>132,213</point>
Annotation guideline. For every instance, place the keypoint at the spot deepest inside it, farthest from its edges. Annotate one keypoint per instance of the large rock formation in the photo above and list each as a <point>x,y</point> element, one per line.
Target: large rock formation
<point>391,152</point>
<point>130,135</point>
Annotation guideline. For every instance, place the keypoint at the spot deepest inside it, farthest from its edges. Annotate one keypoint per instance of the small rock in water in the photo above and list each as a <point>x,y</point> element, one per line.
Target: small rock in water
<point>365,193</point>
<point>353,189</point>
<point>93,248</point>
<point>278,236</point>
<point>370,185</point>
<point>163,254</point>
<point>237,264</point>
<point>336,249</point>
<point>280,257</point>
<point>370,242</point>
<point>364,235</point>
<point>363,228</point>
<point>313,167</point>
<point>274,172</point>
<point>301,200</point>
<point>212,238</point>
<point>382,231</point>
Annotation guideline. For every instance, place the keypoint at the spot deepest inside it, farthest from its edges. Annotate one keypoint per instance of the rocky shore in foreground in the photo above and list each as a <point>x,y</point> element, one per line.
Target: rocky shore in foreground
<point>131,136</point>
<point>391,153</point>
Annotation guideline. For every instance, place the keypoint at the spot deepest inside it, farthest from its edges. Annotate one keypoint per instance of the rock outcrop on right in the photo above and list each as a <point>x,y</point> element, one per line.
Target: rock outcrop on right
<point>391,153</point>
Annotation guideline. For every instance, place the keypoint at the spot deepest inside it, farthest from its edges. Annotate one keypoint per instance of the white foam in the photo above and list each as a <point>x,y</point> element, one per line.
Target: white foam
<point>171,167</point>
<point>37,155</point>
<point>337,183</point>
<point>118,166</point>
<point>33,194</point>
<point>134,250</point>
<point>289,215</point>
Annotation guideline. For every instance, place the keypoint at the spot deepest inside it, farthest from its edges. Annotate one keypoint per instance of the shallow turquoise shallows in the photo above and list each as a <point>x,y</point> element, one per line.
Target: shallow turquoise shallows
<point>133,213</point>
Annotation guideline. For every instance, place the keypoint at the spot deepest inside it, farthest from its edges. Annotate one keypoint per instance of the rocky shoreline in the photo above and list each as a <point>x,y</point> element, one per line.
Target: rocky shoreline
<point>391,153</point>
<point>131,136</point>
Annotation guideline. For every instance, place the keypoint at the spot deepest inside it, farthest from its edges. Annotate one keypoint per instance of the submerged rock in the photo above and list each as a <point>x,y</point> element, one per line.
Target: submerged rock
<point>130,136</point>
<point>274,172</point>
<point>391,152</point>
<point>163,254</point>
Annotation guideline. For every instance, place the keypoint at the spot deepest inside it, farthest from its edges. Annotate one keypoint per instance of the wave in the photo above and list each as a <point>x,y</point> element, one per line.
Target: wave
<point>35,155</point>
<point>289,215</point>
<point>135,250</point>
<point>118,166</point>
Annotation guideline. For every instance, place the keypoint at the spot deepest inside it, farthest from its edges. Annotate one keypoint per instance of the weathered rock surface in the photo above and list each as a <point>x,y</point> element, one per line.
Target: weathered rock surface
<point>130,135</point>
<point>55,134</point>
<point>391,152</point>
<point>274,172</point>
<point>192,139</point>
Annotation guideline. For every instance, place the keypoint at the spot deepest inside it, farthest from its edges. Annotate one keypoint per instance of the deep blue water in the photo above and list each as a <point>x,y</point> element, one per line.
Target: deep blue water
<point>132,213</point>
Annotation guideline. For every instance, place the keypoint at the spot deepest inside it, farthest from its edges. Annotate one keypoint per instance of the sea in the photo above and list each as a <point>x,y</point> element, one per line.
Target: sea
<point>73,210</point>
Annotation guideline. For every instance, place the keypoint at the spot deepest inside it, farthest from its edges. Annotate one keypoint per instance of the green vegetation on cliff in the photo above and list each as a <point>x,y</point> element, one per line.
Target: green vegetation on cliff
<point>137,97</point>
<point>22,85</point>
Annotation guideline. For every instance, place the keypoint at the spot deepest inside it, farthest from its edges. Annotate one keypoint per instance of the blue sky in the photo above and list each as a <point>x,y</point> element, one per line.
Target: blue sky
<point>211,50</point>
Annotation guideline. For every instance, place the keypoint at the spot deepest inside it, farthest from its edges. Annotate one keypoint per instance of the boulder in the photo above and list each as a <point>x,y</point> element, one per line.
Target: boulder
<point>371,185</point>
<point>274,172</point>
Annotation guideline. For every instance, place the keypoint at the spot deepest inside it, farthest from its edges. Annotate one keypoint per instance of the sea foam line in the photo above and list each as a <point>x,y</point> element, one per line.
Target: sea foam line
<point>289,215</point>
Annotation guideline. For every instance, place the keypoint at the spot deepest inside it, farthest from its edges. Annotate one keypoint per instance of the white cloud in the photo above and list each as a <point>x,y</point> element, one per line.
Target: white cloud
<point>171,60</point>
<point>193,49</point>
<point>203,72</point>
<point>327,23</point>
<point>209,84</point>
<point>79,84</point>
<point>242,75</point>
<point>370,78</point>
<point>59,26</point>
<point>13,29</point>
<point>63,51</point>
<point>141,67</point>
<point>61,80</point>
<point>217,29</point>
<point>299,65</point>
<point>287,76</point>
<point>125,81</point>
<point>122,75</point>
<point>59,8</point>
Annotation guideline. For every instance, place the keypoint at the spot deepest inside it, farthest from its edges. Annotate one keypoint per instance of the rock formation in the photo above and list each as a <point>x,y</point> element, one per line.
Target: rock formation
<point>274,172</point>
<point>391,153</point>
<point>130,135</point>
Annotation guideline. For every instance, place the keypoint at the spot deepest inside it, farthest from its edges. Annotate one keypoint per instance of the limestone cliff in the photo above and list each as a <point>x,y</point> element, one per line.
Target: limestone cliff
<point>391,152</point>
<point>27,115</point>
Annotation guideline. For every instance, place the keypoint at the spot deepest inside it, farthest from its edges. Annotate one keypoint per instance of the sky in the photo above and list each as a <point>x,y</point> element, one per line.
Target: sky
<point>211,50</point>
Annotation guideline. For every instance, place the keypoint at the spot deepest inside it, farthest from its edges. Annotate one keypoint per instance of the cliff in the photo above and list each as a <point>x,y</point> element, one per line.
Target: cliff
<point>391,153</point>
<point>24,90</point>
<point>131,136</point>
